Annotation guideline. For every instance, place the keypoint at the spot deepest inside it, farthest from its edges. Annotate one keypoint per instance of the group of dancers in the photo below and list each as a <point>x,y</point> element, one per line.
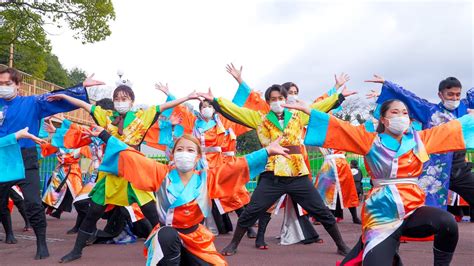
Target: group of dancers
<point>414,152</point>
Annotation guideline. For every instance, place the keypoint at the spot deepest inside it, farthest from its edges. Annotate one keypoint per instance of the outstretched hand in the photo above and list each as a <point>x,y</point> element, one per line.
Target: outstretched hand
<point>24,134</point>
<point>341,80</point>
<point>207,96</point>
<point>372,94</point>
<point>164,88</point>
<point>376,79</point>
<point>275,148</point>
<point>49,127</point>
<point>56,97</point>
<point>298,105</point>
<point>236,73</point>
<point>346,92</point>
<point>94,132</point>
<point>89,82</point>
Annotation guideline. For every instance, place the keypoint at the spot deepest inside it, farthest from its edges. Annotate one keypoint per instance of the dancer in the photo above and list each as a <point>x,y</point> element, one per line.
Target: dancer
<point>184,193</point>
<point>131,127</point>
<point>13,170</point>
<point>18,112</point>
<point>282,175</point>
<point>450,169</point>
<point>394,156</point>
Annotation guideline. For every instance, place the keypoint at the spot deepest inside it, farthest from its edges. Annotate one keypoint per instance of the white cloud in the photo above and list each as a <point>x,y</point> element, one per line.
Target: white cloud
<point>188,43</point>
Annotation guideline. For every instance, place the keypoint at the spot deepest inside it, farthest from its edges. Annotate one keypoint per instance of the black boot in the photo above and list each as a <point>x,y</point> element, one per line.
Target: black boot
<point>342,248</point>
<point>41,246</point>
<point>7,225</point>
<point>355,219</point>
<point>231,248</point>
<point>21,209</point>
<point>251,232</point>
<point>262,228</point>
<point>80,243</point>
<point>442,258</point>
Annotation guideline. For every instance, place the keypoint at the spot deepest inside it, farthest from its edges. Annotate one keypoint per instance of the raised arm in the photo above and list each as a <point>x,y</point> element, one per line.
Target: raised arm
<point>121,160</point>
<point>76,102</point>
<point>48,104</point>
<point>420,109</point>
<point>455,135</point>
<point>171,104</point>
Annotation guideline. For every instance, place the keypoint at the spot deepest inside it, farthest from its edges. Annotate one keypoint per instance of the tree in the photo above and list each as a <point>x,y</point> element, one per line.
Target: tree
<point>355,110</point>
<point>88,19</point>
<point>248,142</point>
<point>76,76</point>
<point>23,25</point>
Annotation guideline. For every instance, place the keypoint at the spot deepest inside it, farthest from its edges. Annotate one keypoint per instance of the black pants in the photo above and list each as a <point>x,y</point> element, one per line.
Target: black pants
<point>19,202</point>
<point>424,222</point>
<point>300,189</point>
<point>463,184</point>
<point>223,222</point>
<point>173,251</point>
<point>30,186</point>
<point>81,206</point>
<point>95,212</point>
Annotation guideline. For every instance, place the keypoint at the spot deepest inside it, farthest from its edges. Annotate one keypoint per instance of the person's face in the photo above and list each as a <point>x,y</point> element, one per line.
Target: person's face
<point>206,105</point>
<point>452,94</point>
<point>396,109</point>
<point>276,96</point>
<point>292,91</point>
<point>185,145</point>
<point>5,80</point>
<point>123,97</point>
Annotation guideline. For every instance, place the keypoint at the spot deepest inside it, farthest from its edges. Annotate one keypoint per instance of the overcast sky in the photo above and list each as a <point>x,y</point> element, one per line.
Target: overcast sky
<point>188,43</point>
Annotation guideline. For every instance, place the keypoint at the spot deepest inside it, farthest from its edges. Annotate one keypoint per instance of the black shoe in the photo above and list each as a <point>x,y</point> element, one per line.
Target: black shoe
<point>251,233</point>
<point>342,248</point>
<point>231,248</point>
<point>10,239</point>
<point>79,245</point>
<point>41,246</point>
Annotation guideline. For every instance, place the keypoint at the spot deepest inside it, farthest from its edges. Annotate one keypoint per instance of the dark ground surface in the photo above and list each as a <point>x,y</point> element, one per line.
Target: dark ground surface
<point>414,253</point>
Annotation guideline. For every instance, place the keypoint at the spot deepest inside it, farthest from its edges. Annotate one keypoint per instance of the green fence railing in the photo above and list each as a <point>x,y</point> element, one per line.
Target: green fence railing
<point>316,160</point>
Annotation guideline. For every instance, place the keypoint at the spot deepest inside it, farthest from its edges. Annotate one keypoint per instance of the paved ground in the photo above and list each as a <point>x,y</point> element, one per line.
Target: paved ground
<point>314,254</point>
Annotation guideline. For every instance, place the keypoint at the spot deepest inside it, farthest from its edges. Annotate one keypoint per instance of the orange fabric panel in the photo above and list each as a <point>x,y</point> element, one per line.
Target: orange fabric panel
<point>346,180</point>
<point>201,244</point>
<point>257,103</point>
<point>142,172</point>
<point>75,137</point>
<point>320,98</point>
<point>86,152</point>
<point>47,149</point>
<point>341,135</point>
<point>444,138</point>
<point>187,118</point>
<point>227,178</point>
<point>187,215</point>
<point>138,212</point>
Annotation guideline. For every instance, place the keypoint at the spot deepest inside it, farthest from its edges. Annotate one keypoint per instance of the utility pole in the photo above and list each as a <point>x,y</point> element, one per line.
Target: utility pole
<point>10,62</point>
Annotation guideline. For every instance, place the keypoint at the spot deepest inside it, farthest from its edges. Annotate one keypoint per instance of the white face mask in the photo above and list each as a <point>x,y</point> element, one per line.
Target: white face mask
<point>276,107</point>
<point>185,161</point>
<point>451,105</point>
<point>122,107</point>
<point>7,92</point>
<point>292,98</point>
<point>398,125</point>
<point>207,112</point>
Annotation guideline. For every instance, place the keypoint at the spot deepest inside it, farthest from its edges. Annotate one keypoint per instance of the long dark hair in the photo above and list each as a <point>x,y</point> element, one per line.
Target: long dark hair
<point>383,110</point>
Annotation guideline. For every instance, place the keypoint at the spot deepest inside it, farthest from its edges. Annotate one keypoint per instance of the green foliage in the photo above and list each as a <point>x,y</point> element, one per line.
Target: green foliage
<point>248,142</point>
<point>76,76</point>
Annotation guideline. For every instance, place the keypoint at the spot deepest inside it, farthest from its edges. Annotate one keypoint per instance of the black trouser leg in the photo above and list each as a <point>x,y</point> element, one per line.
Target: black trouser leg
<point>81,207</point>
<point>309,232</point>
<point>338,211</point>
<point>151,213</point>
<point>30,187</point>
<point>20,205</point>
<point>463,184</point>
<point>170,244</point>
<point>424,222</point>
<point>266,193</point>
<point>250,230</point>
<point>263,221</point>
<point>302,191</point>
<point>223,223</point>
<point>355,219</point>
<point>4,211</point>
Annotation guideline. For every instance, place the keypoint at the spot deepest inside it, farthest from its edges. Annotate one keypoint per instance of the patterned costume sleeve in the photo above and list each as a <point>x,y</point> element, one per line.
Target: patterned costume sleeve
<point>121,160</point>
<point>47,108</point>
<point>327,131</point>
<point>100,115</point>
<point>452,136</point>
<point>420,109</point>
<point>223,182</point>
<point>241,115</point>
